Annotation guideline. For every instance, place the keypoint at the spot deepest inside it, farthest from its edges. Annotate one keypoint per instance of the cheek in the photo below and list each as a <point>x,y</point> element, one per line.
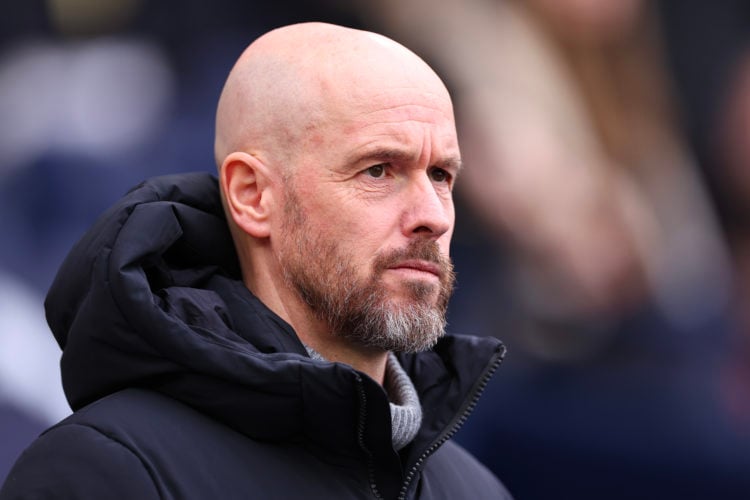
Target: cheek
<point>362,238</point>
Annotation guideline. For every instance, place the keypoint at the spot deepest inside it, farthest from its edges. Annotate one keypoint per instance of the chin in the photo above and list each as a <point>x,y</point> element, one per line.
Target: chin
<point>415,292</point>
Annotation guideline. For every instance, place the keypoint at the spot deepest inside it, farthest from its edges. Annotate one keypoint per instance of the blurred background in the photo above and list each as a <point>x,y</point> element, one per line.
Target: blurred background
<point>603,218</point>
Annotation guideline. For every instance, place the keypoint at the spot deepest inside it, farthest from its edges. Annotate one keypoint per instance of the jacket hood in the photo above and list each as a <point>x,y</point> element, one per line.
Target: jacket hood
<point>151,297</point>
<point>136,303</point>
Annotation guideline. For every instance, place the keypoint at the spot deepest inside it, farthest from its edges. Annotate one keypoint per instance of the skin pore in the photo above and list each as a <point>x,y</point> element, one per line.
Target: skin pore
<point>337,155</point>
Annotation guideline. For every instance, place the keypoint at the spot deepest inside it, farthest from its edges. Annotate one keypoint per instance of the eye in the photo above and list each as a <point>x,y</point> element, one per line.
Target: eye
<point>376,171</point>
<point>439,175</point>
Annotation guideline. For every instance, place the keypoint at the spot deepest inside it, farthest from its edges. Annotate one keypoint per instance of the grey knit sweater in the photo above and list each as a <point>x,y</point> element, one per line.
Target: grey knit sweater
<point>406,411</point>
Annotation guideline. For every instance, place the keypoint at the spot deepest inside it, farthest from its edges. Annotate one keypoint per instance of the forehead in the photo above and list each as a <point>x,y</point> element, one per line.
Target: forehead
<point>393,110</point>
<point>407,119</point>
<point>378,93</point>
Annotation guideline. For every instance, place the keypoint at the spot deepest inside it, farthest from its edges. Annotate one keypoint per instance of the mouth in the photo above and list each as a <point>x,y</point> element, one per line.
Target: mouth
<point>417,267</point>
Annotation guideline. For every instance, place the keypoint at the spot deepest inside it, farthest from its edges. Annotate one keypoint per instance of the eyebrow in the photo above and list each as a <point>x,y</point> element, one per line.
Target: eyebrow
<point>398,155</point>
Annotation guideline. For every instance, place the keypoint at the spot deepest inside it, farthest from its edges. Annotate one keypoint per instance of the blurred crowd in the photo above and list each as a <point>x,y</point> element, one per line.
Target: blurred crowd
<point>603,222</point>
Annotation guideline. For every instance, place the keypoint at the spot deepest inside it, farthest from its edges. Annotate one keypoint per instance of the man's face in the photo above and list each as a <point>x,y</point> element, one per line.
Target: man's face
<point>368,220</point>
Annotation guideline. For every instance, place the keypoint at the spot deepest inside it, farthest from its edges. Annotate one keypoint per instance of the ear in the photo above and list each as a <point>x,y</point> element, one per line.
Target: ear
<point>245,182</point>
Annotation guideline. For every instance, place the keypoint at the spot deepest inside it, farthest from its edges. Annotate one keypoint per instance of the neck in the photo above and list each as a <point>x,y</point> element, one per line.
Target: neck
<point>369,361</point>
<point>313,332</point>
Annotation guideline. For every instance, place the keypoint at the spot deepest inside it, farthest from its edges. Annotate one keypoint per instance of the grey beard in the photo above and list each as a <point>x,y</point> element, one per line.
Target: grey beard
<point>363,313</point>
<point>367,317</point>
<point>404,328</point>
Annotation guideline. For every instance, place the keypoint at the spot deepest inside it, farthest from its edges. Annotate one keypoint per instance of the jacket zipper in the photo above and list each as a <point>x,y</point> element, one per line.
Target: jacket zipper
<point>457,423</point>
<point>361,438</point>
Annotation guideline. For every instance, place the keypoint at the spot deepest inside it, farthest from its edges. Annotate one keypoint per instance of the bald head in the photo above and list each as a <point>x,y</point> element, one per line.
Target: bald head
<point>337,151</point>
<point>296,79</point>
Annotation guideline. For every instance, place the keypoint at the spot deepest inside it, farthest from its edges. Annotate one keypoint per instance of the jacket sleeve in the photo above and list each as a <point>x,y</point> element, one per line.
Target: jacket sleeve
<point>78,462</point>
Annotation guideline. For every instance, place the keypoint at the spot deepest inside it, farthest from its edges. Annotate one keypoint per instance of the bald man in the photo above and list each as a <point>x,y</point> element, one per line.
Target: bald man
<point>279,333</point>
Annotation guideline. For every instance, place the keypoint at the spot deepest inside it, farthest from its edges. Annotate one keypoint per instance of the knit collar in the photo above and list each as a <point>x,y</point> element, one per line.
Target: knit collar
<point>406,410</point>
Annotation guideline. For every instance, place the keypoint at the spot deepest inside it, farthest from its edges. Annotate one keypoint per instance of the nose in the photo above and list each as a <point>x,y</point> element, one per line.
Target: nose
<point>428,212</point>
